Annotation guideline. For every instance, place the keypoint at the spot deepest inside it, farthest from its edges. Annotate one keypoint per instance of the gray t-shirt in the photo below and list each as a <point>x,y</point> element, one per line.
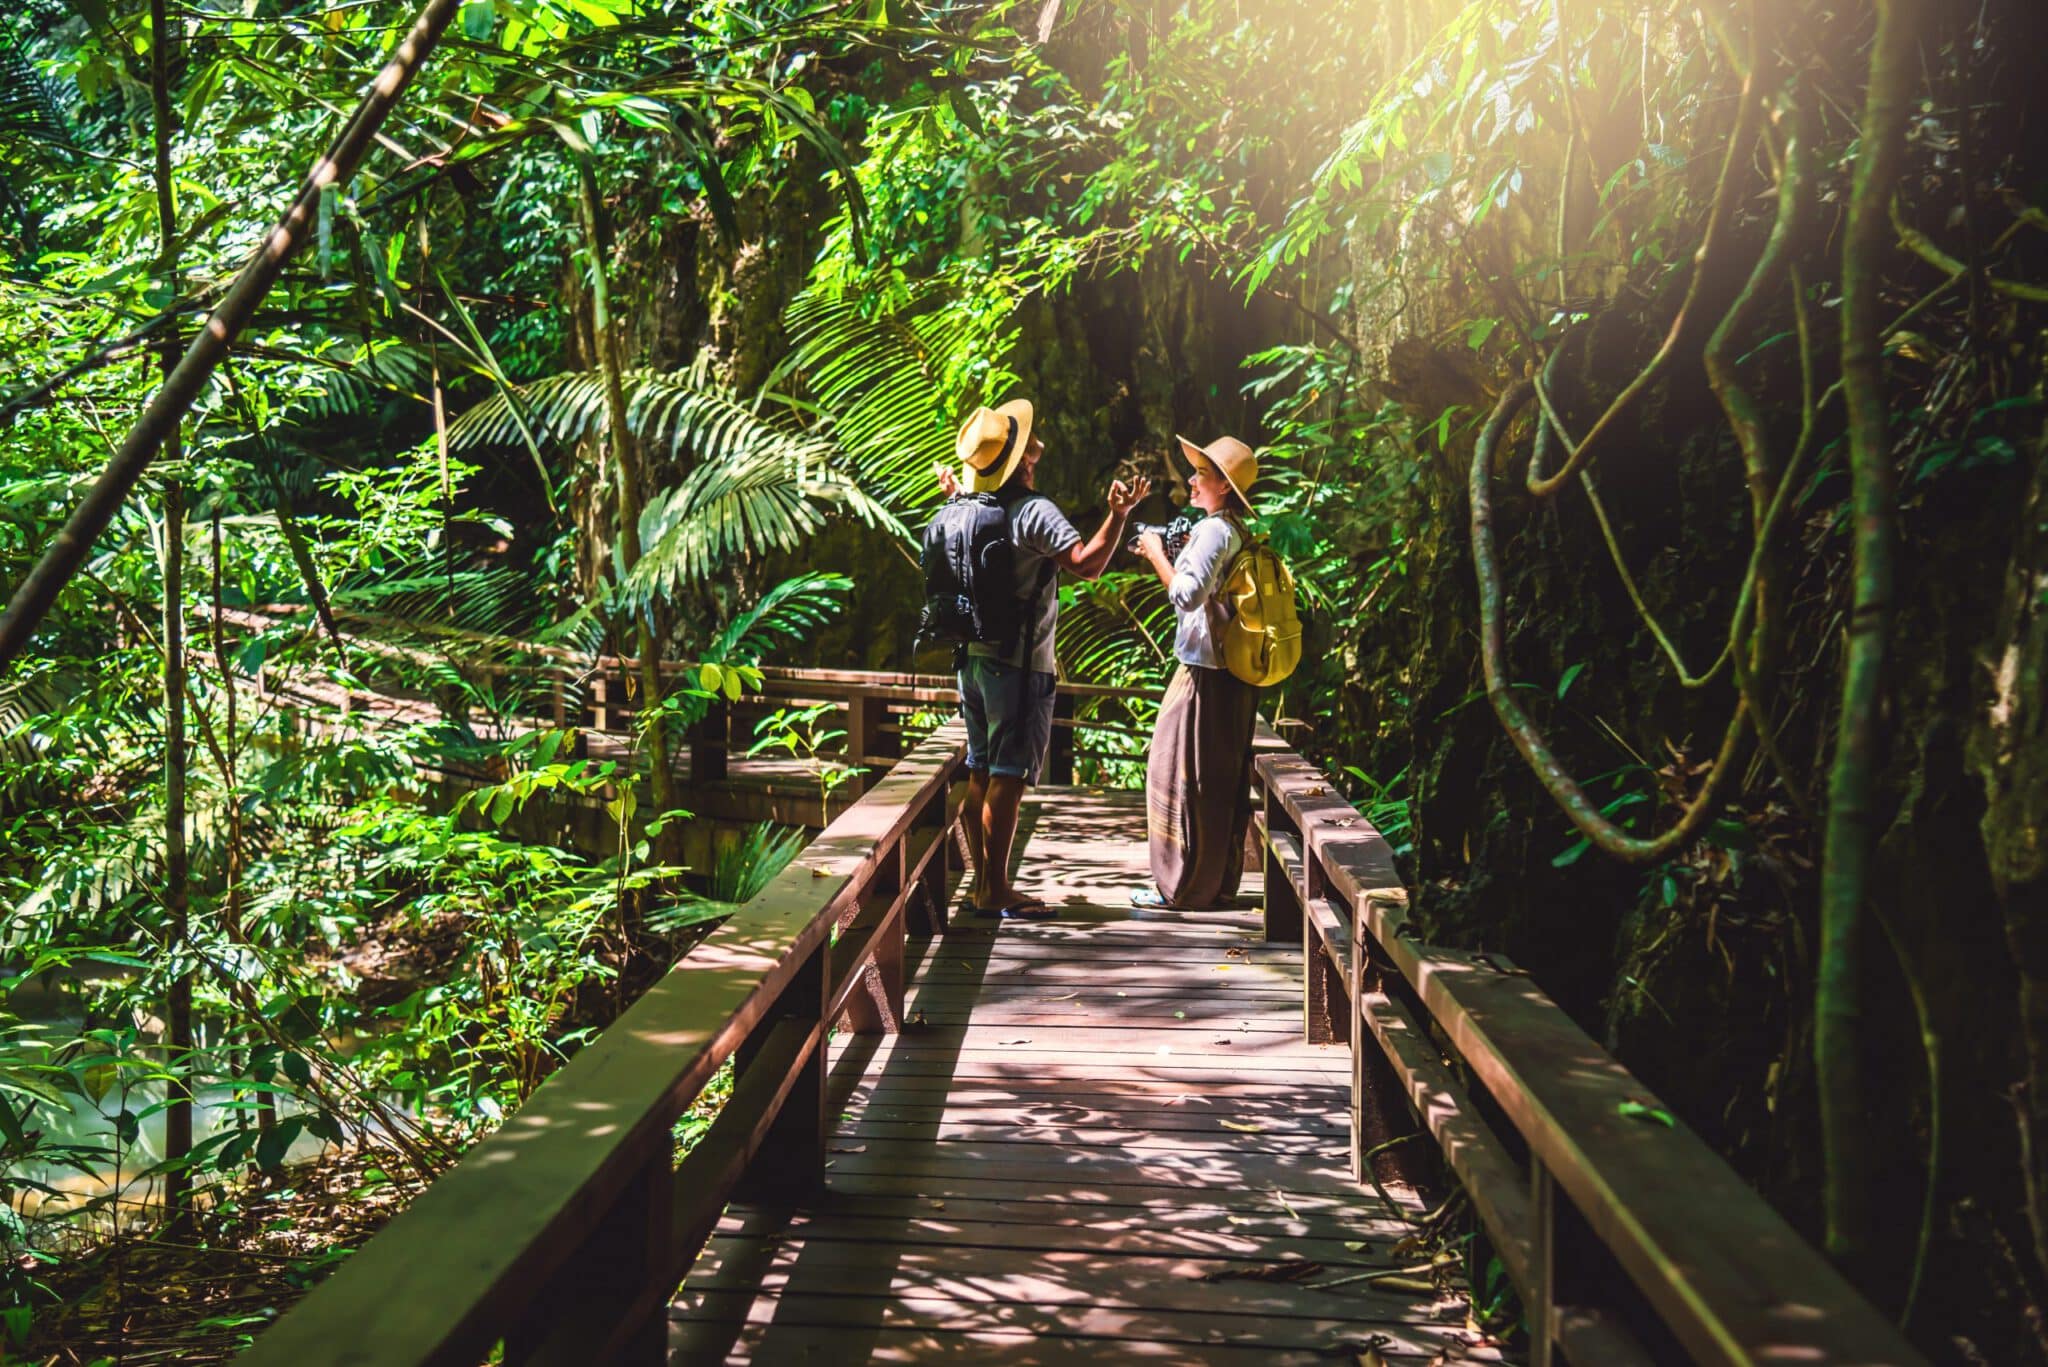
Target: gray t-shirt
<point>1039,531</point>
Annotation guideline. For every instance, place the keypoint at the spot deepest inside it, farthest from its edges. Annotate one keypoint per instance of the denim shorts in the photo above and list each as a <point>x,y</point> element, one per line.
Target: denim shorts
<point>1009,718</point>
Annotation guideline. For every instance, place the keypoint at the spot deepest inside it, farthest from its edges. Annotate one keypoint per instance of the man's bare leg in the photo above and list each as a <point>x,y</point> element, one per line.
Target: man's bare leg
<point>998,834</point>
<point>971,823</point>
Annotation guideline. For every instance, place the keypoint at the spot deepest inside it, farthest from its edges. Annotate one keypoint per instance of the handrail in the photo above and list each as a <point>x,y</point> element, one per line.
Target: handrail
<point>1618,1230</point>
<point>602,692</point>
<point>564,1234</point>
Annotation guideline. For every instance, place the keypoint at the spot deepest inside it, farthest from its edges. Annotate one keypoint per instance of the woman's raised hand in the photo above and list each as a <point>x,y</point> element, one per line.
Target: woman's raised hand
<point>1124,497</point>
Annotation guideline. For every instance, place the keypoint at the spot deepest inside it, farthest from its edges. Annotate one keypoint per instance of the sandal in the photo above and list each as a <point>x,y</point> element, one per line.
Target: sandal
<point>1150,900</point>
<point>1026,909</point>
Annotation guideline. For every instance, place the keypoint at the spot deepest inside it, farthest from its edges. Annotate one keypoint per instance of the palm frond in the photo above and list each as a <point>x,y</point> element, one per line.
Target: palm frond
<point>790,611</point>
<point>1117,630</point>
<point>739,871</point>
<point>28,103</point>
<point>894,382</point>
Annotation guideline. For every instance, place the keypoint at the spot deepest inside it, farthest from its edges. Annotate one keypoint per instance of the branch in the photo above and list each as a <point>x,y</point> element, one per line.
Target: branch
<point>1580,452</point>
<point>1565,790</point>
<point>32,600</point>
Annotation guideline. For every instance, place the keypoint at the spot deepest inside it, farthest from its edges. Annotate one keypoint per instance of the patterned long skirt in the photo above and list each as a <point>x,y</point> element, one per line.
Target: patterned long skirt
<point>1198,786</point>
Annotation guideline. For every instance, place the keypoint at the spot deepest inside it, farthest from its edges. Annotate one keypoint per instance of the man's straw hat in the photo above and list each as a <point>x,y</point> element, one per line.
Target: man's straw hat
<point>1239,466</point>
<point>990,444</point>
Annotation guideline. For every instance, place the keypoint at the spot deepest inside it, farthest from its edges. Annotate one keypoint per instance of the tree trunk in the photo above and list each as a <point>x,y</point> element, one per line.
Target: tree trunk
<point>177,873</point>
<point>626,468</point>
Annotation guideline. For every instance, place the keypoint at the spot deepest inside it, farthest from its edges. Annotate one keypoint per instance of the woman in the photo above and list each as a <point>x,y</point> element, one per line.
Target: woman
<point>1198,774</point>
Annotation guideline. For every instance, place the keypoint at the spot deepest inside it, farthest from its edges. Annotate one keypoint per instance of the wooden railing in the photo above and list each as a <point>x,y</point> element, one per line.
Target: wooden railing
<point>563,1235</point>
<point>1629,1240</point>
<point>874,708</point>
<point>600,694</point>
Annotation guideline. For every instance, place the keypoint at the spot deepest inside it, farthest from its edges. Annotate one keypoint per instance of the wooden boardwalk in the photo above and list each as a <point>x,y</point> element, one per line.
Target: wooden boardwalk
<point>1099,1139</point>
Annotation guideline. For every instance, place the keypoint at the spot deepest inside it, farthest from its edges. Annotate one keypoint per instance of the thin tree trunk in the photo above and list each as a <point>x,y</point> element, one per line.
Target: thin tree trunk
<point>626,466</point>
<point>1852,816</point>
<point>177,872</point>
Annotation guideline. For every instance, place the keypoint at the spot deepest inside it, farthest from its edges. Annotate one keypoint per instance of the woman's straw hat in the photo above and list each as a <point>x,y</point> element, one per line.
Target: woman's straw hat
<point>1239,466</point>
<point>990,444</point>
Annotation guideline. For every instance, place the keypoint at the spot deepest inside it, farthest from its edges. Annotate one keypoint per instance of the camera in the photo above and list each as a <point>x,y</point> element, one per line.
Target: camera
<point>1174,534</point>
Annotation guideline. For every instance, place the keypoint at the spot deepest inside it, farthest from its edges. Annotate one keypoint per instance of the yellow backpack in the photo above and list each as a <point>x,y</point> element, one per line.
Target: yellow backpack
<point>1261,636</point>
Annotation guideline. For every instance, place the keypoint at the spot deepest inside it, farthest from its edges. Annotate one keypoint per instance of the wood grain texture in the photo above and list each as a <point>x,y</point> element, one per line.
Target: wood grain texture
<point>1095,1139</point>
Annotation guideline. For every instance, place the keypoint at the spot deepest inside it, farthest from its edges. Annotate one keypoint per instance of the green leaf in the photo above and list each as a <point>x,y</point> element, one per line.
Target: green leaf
<point>1565,681</point>
<point>1632,1109</point>
<point>1571,855</point>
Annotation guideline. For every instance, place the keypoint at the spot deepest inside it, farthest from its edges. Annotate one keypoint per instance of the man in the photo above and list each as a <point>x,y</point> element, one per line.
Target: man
<point>1006,695</point>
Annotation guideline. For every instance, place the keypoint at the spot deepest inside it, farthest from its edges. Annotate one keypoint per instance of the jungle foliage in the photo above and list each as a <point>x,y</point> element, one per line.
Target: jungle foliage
<point>1711,338</point>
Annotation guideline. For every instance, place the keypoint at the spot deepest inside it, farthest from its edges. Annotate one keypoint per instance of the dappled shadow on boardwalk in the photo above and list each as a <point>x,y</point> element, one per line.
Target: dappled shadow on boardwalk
<point>1098,1139</point>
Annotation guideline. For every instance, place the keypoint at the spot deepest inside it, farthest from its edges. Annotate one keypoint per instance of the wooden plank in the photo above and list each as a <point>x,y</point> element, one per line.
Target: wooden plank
<point>1110,1165</point>
<point>785,1341</point>
<point>451,1272</point>
<point>1072,1289</point>
<point>1130,1140</point>
<point>954,1181</point>
<point>1722,1269</point>
<point>973,1311</point>
<point>929,1229</point>
<point>1355,857</point>
<point>1333,934</point>
<point>1324,1128</point>
<point>1341,1222</point>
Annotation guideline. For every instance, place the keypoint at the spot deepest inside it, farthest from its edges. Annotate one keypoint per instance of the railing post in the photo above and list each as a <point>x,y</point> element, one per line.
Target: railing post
<point>925,912</point>
<point>864,712</point>
<point>608,1303</point>
<point>1542,1307</point>
<point>790,1162</point>
<point>876,1008</point>
<point>1380,1108</point>
<point>1325,1017</point>
<point>1059,764</point>
<point>1283,903</point>
<point>600,698</point>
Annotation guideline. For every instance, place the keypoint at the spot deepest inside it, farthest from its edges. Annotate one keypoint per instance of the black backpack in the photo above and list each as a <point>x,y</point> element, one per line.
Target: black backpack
<point>970,581</point>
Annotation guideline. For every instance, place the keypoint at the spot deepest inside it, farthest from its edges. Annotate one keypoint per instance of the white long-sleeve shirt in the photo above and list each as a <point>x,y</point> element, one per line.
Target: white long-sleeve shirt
<point>1197,572</point>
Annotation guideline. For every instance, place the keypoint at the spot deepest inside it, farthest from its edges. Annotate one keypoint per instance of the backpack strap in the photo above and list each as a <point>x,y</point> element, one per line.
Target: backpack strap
<point>1028,628</point>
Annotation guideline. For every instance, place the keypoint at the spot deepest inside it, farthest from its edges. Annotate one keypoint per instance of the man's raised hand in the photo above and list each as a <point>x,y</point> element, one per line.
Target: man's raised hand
<point>1124,497</point>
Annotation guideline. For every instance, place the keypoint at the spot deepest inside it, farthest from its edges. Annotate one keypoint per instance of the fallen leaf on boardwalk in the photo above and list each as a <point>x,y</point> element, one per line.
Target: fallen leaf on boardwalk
<point>1180,1015</point>
<point>1243,1127</point>
<point>817,872</point>
<point>964,964</point>
<point>1632,1109</point>
<point>1065,998</point>
<point>1355,1246</point>
<point>916,1021</point>
<point>1291,1271</point>
<point>1314,790</point>
<point>1371,1358</point>
<point>1345,821</point>
<point>849,1148</point>
<point>1024,1040</point>
<point>1223,968</point>
<point>1225,1039</point>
